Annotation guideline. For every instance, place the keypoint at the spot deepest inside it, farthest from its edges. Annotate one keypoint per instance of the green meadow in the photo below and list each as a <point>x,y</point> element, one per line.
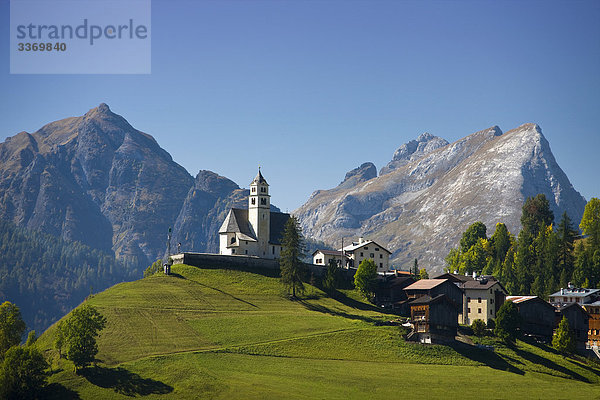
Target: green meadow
<point>216,333</point>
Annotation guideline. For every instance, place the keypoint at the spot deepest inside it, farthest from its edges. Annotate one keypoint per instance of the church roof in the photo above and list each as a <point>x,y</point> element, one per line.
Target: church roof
<point>237,221</point>
<point>259,179</point>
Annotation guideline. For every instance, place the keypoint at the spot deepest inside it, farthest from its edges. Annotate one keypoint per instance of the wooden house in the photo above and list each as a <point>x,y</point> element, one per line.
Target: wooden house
<point>390,293</point>
<point>537,315</point>
<point>435,287</point>
<point>434,319</point>
<point>593,310</point>
<point>578,321</point>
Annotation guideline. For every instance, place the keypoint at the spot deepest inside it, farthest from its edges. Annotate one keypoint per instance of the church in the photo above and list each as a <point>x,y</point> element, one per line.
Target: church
<point>255,231</point>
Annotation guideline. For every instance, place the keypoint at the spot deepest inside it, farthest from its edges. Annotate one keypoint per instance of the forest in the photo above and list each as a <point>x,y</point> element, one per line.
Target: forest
<point>46,276</point>
<point>543,258</point>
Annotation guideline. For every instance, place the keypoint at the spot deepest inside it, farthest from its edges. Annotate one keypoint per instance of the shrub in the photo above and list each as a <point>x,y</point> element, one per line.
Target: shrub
<point>478,327</point>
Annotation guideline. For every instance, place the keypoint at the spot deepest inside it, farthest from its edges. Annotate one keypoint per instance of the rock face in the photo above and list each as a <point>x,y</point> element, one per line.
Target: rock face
<point>94,179</point>
<point>431,192</point>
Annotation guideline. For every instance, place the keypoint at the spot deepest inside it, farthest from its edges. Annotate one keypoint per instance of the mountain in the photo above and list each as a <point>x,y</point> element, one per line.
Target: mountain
<point>431,192</point>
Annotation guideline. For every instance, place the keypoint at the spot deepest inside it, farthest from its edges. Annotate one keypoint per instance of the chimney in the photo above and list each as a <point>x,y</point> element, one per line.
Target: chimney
<point>361,240</point>
<point>474,275</point>
<point>570,285</point>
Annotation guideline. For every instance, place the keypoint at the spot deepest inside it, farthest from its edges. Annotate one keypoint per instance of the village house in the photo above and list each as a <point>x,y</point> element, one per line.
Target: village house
<point>537,316</point>
<point>578,321</point>
<point>255,231</point>
<point>390,292</point>
<point>483,297</point>
<point>434,319</point>
<point>434,287</point>
<point>593,310</point>
<point>352,255</point>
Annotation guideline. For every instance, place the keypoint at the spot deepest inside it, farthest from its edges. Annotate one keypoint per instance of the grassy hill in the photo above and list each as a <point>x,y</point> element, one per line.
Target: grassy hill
<point>213,333</point>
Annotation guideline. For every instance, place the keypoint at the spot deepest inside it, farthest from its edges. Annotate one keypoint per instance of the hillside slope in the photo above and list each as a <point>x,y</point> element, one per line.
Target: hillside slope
<point>211,333</point>
<point>431,192</point>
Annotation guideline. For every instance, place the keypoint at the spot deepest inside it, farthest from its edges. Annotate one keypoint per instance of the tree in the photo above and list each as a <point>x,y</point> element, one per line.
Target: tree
<point>12,326</point>
<point>80,331</point>
<point>478,327</point>
<point>332,277</point>
<point>365,278</point>
<point>508,322</point>
<point>415,270</point>
<point>290,263</point>
<point>590,222</point>
<point>22,373</point>
<point>31,338</point>
<point>536,213</point>
<point>564,338</point>
<point>470,237</point>
<point>501,241</point>
<point>566,239</point>
<point>423,274</point>
<point>59,338</point>
<point>154,268</point>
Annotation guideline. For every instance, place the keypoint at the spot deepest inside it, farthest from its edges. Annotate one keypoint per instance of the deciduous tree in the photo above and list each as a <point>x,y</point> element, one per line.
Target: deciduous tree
<point>590,222</point>
<point>564,338</point>
<point>536,213</point>
<point>470,237</point>
<point>22,373</point>
<point>12,326</point>
<point>365,278</point>
<point>508,322</point>
<point>80,331</point>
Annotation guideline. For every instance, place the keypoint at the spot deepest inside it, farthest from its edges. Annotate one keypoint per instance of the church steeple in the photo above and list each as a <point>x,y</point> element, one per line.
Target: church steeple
<point>259,211</point>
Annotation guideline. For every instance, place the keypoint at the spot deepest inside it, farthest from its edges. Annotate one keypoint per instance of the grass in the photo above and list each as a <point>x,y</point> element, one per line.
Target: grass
<point>214,333</point>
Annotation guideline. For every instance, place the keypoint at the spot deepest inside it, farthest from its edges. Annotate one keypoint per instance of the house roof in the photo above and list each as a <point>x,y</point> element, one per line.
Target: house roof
<point>237,222</point>
<point>520,299</point>
<point>428,299</point>
<point>328,252</point>
<point>425,284</point>
<point>565,307</point>
<point>354,246</point>
<point>575,292</point>
<point>277,226</point>
<point>455,277</point>
<point>482,284</point>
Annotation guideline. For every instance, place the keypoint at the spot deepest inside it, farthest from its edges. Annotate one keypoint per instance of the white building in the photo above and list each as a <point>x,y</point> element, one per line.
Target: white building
<point>255,231</point>
<point>355,253</point>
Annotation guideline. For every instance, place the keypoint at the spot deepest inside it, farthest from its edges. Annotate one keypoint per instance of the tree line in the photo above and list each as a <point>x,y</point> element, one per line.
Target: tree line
<point>543,257</point>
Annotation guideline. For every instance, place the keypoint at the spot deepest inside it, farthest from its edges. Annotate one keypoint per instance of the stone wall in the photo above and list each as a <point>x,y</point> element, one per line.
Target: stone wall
<point>206,260</point>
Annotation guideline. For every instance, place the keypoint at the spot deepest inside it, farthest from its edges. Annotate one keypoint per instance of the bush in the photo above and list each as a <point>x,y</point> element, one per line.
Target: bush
<point>491,324</point>
<point>508,322</point>
<point>22,373</point>
<point>478,327</point>
<point>154,268</point>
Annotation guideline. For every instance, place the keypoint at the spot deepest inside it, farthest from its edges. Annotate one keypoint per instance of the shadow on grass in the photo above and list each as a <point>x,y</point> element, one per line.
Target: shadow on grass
<point>485,357</point>
<point>583,365</point>
<point>327,310</point>
<point>535,359</point>
<point>342,298</point>
<point>124,382</point>
<point>227,294</point>
<point>59,392</point>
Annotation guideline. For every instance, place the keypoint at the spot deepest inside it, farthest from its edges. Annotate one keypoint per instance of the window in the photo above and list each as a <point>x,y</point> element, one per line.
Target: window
<point>469,310</point>
<point>233,240</point>
<point>263,202</point>
<point>376,248</point>
<point>490,291</point>
<point>318,261</point>
<point>273,249</point>
<point>381,256</point>
<point>468,299</point>
<point>253,201</point>
<point>232,251</point>
<point>479,300</point>
<point>479,310</point>
<point>246,251</point>
<point>253,190</point>
<point>264,216</point>
<point>361,254</point>
<point>372,255</point>
<point>262,189</point>
<point>380,265</point>
<point>491,301</point>
<point>366,248</point>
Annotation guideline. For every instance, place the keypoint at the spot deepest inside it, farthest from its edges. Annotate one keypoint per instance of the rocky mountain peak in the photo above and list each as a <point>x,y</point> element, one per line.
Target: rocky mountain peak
<point>363,173</point>
<point>412,150</point>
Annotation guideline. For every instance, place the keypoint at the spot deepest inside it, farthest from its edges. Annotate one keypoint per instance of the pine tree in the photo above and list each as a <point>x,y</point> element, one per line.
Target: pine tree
<point>292,268</point>
<point>536,213</point>
<point>566,239</point>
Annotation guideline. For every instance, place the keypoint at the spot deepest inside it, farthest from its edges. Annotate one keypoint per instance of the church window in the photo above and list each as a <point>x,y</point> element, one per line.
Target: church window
<point>361,254</point>
<point>233,240</point>
<point>264,216</point>
<point>253,201</point>
<point>263,202</point>
<point>376,248</point>
<point>366,248</point>
<point>273,249</point>
<point>246,251</point>
<point>262,189</point>
<point>253,190</point>
<point>232,251</point>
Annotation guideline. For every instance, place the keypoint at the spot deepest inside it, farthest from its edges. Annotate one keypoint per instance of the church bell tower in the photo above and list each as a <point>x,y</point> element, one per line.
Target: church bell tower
<point>259,212</point>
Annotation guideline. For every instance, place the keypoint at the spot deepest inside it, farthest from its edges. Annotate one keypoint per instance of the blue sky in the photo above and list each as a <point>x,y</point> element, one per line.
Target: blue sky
<point>312,89</point>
